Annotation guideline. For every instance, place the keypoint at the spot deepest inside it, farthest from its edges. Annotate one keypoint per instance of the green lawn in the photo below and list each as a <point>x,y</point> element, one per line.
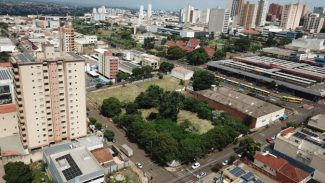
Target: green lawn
<point>129,92</point>
<point>201,125</point>
<point>38,174</point>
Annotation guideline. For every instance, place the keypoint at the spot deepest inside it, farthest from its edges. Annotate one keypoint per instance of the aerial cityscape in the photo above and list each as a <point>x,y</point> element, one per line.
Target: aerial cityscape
<point>184,91</point>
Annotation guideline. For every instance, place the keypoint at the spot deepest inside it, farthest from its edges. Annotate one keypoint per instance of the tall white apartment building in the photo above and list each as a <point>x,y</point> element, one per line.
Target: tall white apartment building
<point>67,38</point>
<point>186,14</point>
<point>141,14</point>
<point>219,20</point>
<point>262,12</point>
<point>149,11</point>
<point>51,97</point>
<point>291,15</point>
<point>313,23</point>
<point>204,16</point>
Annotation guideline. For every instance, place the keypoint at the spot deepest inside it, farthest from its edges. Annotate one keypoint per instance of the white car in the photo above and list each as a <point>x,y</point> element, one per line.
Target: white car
<point>200,175</point>
<point>196,165</point>
<point>139,165</point>
<point>224,163</point>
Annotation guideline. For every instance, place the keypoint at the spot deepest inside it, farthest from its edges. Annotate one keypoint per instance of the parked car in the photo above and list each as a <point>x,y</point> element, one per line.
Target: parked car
<point>224,163</point>
<point>201,174</point>
<point>196,165</point>
<point>139,165</point>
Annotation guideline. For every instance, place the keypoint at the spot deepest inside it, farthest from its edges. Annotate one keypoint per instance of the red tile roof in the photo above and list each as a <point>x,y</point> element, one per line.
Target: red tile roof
<point>186,46</point>
<point>193,43</point>
<point>5,64</point>
<point>7,108</point>
<point>210,51</point>
<point>292,172</point>
<point>286,131</point>
<point>170,43</point>
<point>270,160</point>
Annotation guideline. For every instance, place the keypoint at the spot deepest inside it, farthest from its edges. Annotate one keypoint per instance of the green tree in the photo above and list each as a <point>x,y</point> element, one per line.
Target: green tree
<point>270,42</point>
<point>111,107</point>
<point>249,147</point>
<point>98,126</point>
<point>92,120</point>
<point>131,108</point>
<point>242,44</point>
<point>147,71</point>
<point>17,172</point>
<point>150,98</point>
<point>202,80</point>
<point>166,67</point>
<point>284,41</point>
<point>149,43</point>
<point>163,41</point>
<point>198,57</point>
<point>170,105</point>
<point>190,148</point>
<point>175,53</point>
<point>219,55</point>
<point>165,148</point>
<point>121,76</point>
<point>109,135</point>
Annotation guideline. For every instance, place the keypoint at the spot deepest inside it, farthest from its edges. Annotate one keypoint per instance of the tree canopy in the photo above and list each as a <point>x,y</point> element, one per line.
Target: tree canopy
<point>149,43</point>
<point>166,67</point>
<point>198,57</point>
<point>219,55</point>
<point>17,172</point>
<point>175,53</point>
<point>202,80</point>
<point>111,107</point>
<point>164,138</point>
<point>109,135</point>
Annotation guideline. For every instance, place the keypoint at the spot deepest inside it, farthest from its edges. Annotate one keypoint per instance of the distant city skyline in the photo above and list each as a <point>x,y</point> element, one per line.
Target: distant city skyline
<point>175,5</point>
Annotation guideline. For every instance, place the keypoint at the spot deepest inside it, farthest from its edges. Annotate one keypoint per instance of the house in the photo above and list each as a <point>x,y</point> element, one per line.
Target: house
<point>189,46</point>
<point>280,169</point>
<point>182,73</point>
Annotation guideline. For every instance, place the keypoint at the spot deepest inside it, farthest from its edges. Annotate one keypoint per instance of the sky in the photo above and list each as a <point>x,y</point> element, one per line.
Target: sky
<point>175,4</point>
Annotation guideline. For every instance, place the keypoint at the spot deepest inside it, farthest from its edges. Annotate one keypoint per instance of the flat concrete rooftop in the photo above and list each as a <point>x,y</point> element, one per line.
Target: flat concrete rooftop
<point>246,104</point>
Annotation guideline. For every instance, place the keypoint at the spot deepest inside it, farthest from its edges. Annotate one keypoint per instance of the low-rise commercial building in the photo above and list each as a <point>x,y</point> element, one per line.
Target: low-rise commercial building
<point>306,80</point>
<point>70,164</point>
<point>8,120</point>
<point>308,43</point>
<point>127,67</point>
<point>182,73</point>
<point>317,122</point>
<point>241,106</point>
<point>303,148</point>
<point>6,45</point>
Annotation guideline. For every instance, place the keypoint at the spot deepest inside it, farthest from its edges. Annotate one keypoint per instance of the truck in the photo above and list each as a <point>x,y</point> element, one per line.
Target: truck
<point>126,150</point>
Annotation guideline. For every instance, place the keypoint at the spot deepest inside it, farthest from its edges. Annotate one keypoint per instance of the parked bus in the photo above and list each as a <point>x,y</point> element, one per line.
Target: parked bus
<point>291,99</point>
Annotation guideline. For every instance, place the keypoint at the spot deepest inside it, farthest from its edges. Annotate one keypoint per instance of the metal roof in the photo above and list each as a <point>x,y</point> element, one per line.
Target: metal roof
<point>5,74</point>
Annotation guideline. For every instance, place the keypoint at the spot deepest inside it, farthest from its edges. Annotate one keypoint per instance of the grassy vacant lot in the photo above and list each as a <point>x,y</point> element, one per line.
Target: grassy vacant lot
<point>201,124</point>
<point>129,92</point>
